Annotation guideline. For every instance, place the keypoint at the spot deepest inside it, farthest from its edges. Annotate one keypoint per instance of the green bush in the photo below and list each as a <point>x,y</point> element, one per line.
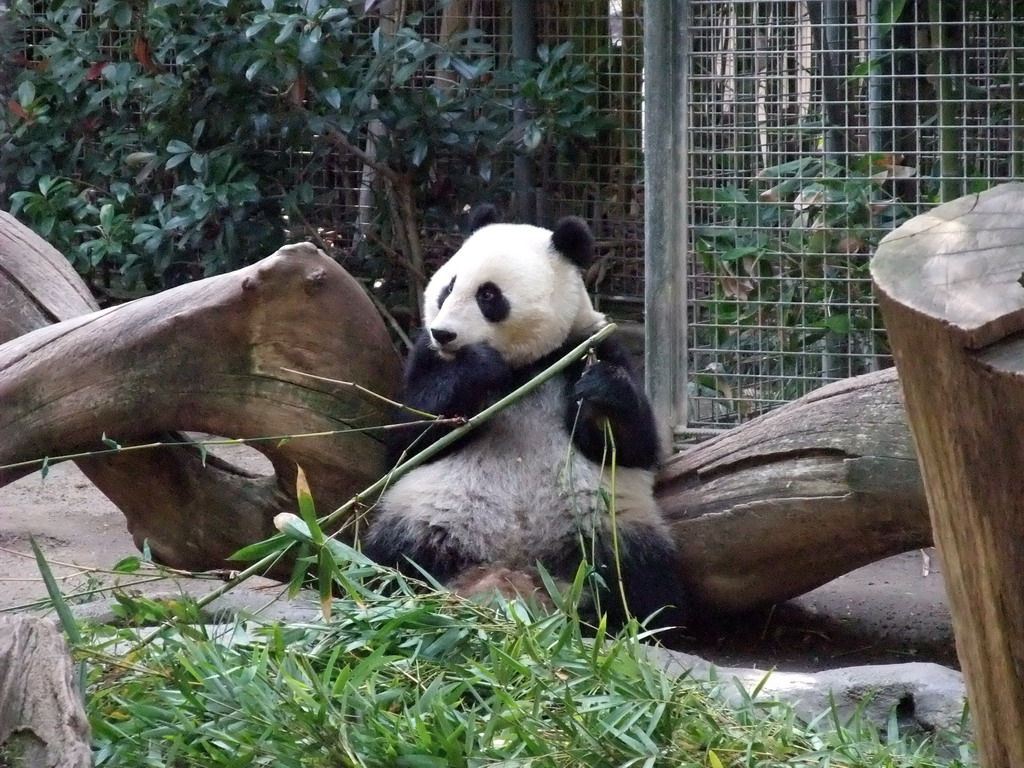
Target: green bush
<point>158,141</point>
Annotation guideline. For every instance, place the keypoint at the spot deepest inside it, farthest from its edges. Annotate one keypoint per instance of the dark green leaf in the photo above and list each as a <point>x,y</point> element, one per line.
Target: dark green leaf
<point>26,93</point>
<point>735,254</point>
<point>129,564</point>
<point>333,97</point>
<point>419,153</point>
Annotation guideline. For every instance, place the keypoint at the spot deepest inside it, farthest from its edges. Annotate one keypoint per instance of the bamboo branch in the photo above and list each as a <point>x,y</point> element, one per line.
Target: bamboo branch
<point>432,450</point>
<point>481,418</point>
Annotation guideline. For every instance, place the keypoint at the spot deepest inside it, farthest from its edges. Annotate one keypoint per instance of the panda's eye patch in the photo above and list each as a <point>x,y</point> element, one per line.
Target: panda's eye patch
<point>445,293</point>
<point>492,302</point>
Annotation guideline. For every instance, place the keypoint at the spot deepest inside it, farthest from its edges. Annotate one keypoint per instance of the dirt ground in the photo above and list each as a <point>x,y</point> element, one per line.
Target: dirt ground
<point>891,611</point>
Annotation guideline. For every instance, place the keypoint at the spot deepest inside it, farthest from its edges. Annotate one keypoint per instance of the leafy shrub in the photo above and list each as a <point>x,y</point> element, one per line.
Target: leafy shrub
<point>154,142</point>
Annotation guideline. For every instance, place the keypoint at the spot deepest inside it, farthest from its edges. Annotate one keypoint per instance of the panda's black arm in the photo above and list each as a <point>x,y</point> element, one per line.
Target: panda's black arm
<point>460,386</point>
<point>610,392</point>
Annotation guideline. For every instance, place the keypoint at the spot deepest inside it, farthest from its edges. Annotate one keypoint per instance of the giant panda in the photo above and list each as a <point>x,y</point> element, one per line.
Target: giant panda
<point>532,485</point>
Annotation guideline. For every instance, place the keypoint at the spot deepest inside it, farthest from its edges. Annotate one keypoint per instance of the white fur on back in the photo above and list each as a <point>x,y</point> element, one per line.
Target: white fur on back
<point>518,492</point>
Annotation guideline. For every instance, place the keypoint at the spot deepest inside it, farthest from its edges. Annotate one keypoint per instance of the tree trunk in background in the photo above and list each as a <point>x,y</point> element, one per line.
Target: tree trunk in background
<point>950,286</point>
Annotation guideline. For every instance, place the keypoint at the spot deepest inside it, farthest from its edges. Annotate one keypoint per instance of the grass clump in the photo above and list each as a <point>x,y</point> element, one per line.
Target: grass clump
<point>430,680</point>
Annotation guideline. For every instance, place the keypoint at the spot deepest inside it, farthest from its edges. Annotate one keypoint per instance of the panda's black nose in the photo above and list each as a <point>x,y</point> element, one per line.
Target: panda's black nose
<point>442,336</point>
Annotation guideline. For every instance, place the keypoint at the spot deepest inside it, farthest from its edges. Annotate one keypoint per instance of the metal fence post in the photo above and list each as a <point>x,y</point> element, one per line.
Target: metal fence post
<point>524,43</point>
<point>665,209</point>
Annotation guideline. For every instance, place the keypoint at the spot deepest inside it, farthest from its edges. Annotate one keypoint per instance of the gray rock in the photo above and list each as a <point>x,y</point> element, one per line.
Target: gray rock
<point>924,696</point>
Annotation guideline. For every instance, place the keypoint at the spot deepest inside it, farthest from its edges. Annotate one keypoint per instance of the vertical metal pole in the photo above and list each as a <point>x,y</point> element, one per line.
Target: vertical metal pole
<point>524,43</point>
<point>665,246</point>
<point>876,82</point>
<point>879,118</point>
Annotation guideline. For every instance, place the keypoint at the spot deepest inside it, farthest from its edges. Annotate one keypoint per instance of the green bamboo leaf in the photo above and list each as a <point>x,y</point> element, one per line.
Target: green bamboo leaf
<point>293,527</point>
<point>300,569</point>
<point>276,544</point>
<point>327,569</point>
<point>129,564</point>
<point>60,605</point>
<point>307,509</point>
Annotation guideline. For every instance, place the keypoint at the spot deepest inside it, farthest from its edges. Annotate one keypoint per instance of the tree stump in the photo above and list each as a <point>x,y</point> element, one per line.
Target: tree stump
<point>42,721</point>
<point>951,287</point>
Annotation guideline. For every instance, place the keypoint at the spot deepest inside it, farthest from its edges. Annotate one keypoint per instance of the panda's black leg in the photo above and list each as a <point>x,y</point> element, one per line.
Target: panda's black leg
<point>401,543</point>
<point>645,566</point>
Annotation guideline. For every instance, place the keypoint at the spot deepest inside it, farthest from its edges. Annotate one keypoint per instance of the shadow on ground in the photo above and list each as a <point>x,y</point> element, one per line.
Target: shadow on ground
<point>891,611</point>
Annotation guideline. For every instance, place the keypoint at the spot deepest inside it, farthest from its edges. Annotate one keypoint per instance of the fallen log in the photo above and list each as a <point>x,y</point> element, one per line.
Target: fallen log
<point>950,287</point>
<point>205,357</point>
<point>793,499</point>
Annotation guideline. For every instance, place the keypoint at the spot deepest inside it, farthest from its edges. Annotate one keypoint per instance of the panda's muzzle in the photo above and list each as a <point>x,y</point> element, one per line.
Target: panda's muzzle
<point>442,336</point>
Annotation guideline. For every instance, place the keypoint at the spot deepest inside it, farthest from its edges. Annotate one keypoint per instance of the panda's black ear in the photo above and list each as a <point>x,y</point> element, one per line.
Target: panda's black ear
<point>481,216</point>
<point>573,240</point>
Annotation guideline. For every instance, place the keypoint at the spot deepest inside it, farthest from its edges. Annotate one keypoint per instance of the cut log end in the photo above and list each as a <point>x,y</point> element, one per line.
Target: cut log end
<point>959,263</point>
<point>949,284</point>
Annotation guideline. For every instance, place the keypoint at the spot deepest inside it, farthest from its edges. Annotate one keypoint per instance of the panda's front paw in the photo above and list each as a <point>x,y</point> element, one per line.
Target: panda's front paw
<point>607,387</point>
<point>483,365</point>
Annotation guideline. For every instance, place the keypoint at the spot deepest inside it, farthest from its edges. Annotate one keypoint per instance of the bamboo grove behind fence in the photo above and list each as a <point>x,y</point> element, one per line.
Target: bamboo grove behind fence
<point>811,129</point>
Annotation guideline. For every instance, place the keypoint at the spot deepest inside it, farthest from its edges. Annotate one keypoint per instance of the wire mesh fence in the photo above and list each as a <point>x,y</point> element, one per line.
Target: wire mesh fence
<point>604,184</point>
<point>809,128</point>
<point>812,128</point>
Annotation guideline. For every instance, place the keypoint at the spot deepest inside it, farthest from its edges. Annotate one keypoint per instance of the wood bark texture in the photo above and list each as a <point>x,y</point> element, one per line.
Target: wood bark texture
<point>950,285</point>
<point>205,357</point>
<point>799,496</point>
<point>42,721</point>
